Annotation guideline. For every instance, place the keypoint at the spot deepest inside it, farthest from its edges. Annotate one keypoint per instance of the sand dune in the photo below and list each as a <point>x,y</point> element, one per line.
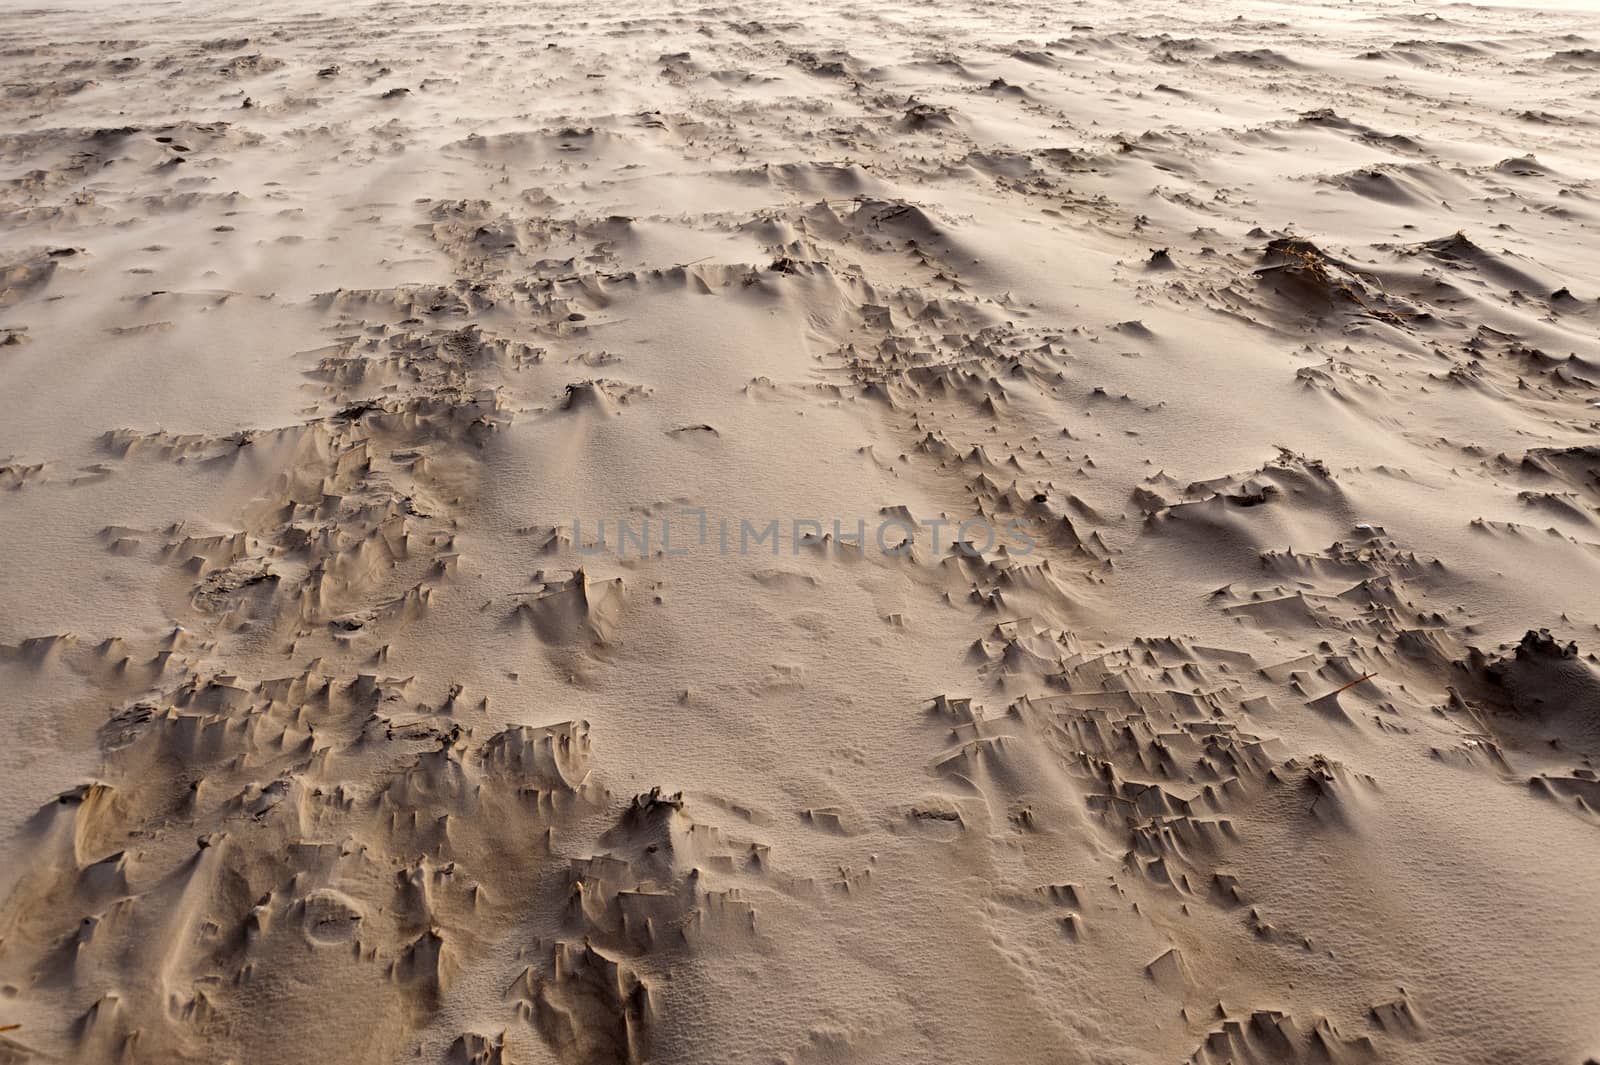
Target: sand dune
<point>537,534</point>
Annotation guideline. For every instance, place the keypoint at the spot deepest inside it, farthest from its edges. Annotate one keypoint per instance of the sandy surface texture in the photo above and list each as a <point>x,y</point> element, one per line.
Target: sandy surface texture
<point>550,534</point>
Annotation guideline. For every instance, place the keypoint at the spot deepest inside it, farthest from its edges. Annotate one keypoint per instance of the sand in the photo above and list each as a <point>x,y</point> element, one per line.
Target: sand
<point>1233,370</point>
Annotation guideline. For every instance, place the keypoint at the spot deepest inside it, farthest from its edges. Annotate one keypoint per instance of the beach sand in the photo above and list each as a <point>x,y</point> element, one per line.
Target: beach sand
<point>1004,533</point>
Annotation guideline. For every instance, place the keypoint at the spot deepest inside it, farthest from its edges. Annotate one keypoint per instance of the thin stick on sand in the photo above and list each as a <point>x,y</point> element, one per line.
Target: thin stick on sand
<point>1359,680</point>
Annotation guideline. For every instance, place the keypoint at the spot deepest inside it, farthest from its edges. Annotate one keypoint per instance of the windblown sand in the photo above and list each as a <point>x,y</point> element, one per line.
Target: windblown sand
<point>333,730</point>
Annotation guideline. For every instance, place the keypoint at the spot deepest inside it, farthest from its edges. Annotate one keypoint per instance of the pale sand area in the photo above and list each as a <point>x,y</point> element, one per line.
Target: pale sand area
<point>328,335</point>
